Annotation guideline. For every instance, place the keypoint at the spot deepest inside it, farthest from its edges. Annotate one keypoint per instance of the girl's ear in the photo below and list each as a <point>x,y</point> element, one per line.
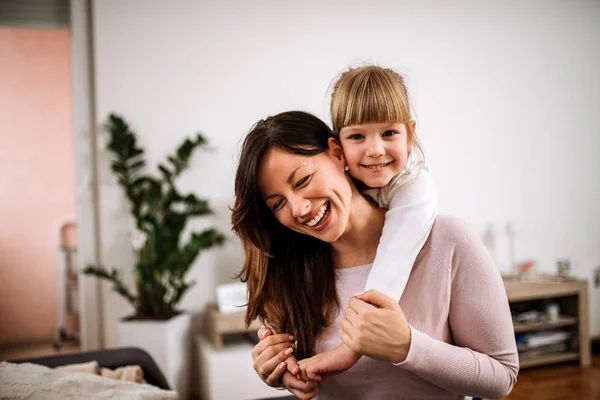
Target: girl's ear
<point>411,137</point>
<point>335,148</point>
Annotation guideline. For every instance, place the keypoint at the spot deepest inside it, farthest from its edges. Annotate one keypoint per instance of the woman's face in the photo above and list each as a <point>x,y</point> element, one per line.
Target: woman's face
<point>308,194</point>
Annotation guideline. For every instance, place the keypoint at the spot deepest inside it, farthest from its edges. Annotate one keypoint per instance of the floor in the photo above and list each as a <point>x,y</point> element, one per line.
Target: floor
<point>560,382</point>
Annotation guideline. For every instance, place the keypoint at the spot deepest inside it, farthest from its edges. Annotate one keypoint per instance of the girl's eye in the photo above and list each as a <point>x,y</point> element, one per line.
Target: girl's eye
<point>303,181</point>
<point>388,133</point>
<point>356,136</point>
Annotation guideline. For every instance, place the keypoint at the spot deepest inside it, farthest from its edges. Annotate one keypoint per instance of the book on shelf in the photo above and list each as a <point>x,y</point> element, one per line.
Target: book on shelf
<point>543,351</point>
<point>534,340</point>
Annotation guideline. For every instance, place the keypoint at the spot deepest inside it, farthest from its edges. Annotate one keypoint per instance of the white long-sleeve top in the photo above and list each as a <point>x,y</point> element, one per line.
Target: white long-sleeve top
<point>411,200</point>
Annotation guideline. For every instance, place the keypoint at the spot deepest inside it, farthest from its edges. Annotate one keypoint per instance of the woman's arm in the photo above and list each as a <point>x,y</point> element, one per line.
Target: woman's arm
<point>483,360</point>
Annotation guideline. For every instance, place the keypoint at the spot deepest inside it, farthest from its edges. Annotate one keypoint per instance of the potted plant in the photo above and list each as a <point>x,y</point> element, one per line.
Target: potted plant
<point>162,261</point>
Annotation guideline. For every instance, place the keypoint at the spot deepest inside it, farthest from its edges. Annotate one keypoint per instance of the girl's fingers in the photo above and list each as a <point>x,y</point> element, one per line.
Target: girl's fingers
<point>292,365</point>
<point>312,375</point>
<point>304,374</point>
<point>300,388</point>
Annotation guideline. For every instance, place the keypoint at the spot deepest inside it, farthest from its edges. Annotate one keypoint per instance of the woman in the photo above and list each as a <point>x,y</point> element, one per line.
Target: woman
<point>310,237</point>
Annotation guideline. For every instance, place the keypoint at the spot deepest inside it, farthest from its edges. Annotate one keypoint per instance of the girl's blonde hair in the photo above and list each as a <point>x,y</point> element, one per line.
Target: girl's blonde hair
<point>371,94</point>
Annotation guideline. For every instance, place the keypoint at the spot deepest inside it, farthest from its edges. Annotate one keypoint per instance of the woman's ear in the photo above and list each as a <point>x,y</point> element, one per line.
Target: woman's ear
<point>335,148</point>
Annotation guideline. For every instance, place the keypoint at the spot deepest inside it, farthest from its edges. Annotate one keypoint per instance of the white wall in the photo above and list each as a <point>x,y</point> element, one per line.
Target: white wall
<point>506,93</point>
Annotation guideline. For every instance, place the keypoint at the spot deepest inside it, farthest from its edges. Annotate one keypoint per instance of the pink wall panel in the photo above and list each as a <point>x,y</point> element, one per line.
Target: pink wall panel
<point>36,177</point>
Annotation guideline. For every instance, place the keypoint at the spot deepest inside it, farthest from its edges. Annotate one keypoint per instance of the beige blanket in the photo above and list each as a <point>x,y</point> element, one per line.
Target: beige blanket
<point>131,373</point>
<point>31,381</point>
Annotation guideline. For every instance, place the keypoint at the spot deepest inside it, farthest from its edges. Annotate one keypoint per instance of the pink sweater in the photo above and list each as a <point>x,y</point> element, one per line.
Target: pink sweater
<point>462,342</point>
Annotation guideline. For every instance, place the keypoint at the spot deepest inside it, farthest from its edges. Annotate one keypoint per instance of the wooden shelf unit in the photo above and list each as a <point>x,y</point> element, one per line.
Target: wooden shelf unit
<point>572,296</point>
<point>561,322</point>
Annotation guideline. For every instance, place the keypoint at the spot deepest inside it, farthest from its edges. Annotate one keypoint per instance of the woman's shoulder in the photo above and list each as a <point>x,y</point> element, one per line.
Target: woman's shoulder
<point>447,228</point>
<point>449,236</point>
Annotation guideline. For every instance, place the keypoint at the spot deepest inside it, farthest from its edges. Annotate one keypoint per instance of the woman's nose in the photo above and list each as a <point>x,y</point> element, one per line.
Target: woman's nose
<point>300,206</point>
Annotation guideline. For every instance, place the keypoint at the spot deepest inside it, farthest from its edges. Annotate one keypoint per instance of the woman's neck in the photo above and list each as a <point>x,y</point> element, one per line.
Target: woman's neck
<point>358,244</point>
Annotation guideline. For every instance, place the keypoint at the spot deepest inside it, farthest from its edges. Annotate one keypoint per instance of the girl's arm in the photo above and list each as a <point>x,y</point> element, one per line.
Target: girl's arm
<point>412,203</point>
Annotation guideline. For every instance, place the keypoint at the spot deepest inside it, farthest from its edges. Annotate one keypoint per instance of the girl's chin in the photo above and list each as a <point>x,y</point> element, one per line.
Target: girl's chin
<point>377,182</point>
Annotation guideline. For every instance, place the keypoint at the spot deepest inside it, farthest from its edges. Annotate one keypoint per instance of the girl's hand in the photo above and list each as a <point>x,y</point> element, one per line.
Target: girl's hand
<point>376,327</point>
<point>300,388</point>
<point>328,363</point>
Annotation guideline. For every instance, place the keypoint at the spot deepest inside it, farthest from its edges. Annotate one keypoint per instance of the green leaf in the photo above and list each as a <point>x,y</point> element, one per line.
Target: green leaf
<point>112,276</point>
<point>185,150</point>
<point>165,171</point>
<point>137,165</point>
<point>200,140</point>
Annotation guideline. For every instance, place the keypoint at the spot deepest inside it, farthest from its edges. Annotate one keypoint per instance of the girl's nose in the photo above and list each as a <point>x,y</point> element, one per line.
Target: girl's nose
<point>375,149</point>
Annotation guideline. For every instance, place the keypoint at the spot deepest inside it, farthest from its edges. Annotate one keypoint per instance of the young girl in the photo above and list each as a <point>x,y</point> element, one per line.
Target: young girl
<point>371,117</point>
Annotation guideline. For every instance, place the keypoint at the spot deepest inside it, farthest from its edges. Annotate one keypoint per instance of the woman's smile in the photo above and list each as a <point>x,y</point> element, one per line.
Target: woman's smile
<point>321,219</point>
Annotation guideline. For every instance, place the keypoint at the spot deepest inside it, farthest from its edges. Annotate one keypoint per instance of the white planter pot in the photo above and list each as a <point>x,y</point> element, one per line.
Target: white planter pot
<point>169,344</point>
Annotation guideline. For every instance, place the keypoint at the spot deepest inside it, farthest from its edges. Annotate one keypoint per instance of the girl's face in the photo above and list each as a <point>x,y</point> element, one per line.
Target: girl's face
<point>308,194</point>
<point>375,152</point>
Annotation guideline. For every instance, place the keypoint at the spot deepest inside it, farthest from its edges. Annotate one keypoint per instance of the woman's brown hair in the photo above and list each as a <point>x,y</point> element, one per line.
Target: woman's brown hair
<point>371,94</point>
<point>290,276</point>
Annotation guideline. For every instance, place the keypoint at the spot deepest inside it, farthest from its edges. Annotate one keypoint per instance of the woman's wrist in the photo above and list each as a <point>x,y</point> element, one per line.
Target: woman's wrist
<point>401,350</point>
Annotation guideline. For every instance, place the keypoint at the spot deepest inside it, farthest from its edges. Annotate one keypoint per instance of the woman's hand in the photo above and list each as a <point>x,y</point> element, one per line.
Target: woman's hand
<point>277,368</point>
<point>271,356</point>
<point>376,327</point>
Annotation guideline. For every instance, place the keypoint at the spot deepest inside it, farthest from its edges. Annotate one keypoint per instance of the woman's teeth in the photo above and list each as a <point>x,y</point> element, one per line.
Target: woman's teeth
<point>320,215</point>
